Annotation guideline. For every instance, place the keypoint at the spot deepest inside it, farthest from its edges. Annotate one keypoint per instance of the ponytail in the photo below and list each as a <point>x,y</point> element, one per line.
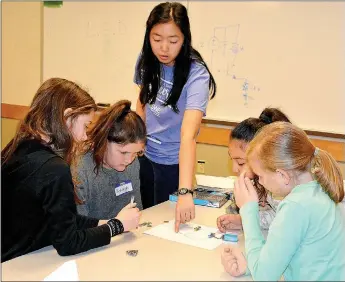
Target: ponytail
<point>118,124</point>
<point>327,173</point>
<point>281,145</point>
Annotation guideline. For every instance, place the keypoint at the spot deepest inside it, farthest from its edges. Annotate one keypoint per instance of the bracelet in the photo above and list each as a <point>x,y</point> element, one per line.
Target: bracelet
<point>116,227</point>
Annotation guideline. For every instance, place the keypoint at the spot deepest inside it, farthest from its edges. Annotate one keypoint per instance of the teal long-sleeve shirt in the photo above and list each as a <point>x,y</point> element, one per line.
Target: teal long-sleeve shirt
<point>306,240</point>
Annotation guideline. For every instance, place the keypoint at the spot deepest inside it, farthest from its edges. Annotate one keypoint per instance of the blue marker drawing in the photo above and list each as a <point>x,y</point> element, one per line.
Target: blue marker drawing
<point>224,47</point>
<point>224,50</point>
<point>247,86</point>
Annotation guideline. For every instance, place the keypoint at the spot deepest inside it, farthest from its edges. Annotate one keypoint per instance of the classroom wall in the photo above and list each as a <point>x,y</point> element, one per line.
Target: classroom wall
<point>8,129</point>
<point>216,159</point>
<point>22,40</point>
<point>261,53</point>
<point>21,57</point>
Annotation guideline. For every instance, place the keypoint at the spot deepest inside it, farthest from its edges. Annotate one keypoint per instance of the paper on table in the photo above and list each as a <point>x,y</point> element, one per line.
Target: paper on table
<point>215,181</point>
<point>66,272</point>
<point>187,234</point>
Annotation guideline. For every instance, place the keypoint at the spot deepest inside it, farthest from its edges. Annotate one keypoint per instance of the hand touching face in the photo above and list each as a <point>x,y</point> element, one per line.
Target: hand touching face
<point>244,190</point>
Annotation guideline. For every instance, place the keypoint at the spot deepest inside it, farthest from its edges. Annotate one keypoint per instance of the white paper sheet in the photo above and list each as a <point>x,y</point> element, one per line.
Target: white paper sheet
<point>66,272</point>
<point>187,234</point>
<point>215,181</point>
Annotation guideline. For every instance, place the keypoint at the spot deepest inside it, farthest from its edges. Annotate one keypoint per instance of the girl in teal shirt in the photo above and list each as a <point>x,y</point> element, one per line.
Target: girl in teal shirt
<point>306,240</point>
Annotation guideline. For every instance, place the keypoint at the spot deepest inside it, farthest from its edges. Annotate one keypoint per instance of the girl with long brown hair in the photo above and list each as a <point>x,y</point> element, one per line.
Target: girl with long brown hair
<point>108,172</point>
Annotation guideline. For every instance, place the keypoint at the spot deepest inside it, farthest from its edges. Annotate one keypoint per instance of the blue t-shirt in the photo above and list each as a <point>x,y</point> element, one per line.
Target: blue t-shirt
<point>162,123</point>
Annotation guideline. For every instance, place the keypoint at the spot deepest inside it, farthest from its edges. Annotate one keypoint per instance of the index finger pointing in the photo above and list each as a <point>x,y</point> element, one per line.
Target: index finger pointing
<point>177,220</point>
<point>177,225</point>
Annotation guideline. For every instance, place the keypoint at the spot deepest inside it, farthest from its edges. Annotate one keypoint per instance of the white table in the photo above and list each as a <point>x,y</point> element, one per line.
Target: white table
<point>158,259</point>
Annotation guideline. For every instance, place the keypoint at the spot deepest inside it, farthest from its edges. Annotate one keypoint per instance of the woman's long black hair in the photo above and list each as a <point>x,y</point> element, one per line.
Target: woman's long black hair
<point>149,67</point>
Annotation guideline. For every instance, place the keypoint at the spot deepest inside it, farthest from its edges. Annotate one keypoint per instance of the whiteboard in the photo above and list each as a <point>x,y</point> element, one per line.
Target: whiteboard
<point>96,44</point>
<point>281,54</point>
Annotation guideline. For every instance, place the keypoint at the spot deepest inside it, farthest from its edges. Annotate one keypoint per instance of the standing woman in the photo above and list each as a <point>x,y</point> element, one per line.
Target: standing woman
<point>175,87</point>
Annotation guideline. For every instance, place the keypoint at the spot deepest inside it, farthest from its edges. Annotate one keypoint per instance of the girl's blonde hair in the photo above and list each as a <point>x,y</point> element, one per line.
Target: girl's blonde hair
<point>281,145</point>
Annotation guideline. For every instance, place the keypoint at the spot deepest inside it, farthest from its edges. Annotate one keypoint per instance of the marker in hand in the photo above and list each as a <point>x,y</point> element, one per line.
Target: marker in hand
<point>132,204</point>
<point>129,216</point>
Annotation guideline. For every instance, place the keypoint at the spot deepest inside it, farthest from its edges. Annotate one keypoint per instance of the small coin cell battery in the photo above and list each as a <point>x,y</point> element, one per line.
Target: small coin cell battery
<point>230,237</point>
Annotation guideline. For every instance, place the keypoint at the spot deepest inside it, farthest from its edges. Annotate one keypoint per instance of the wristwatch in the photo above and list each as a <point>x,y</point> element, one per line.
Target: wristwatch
<point>184,191</point>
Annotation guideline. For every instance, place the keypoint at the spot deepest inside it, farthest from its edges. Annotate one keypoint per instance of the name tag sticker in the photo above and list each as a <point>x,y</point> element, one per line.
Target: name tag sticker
<point>123,188</point>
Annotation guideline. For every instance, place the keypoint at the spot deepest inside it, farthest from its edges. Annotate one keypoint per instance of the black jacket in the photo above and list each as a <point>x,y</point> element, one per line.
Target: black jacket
<point>38,207</point>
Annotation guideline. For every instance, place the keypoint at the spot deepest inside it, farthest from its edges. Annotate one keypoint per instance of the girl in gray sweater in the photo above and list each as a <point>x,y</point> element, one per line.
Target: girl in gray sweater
<point>108,172</point>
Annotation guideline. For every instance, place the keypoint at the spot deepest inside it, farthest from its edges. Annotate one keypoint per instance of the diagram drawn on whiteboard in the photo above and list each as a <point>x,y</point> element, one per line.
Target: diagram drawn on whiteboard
<point>247,86</point>
<point>225,48</point>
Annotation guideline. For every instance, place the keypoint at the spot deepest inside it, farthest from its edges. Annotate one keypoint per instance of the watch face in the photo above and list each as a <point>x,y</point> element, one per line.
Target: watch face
<point>183,191</point>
